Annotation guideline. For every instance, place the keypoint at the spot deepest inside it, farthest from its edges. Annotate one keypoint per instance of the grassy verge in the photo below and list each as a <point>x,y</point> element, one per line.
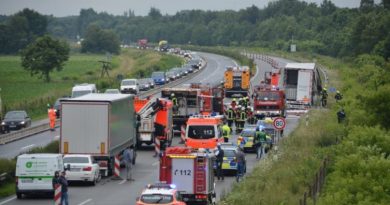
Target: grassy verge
<point>21,91</point>
<point>8,166</point>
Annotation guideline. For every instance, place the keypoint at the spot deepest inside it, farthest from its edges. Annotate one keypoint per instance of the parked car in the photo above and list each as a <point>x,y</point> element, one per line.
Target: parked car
<point>81,167</point>
<point>144,84</point>
<point>112,91</point>
<point>130,86</point>
<point>57,106</point>
<point>17,119</point>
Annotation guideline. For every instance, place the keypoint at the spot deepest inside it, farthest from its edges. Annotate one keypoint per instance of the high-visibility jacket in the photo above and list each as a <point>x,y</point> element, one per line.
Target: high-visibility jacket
<point>242,116</point>
<point>230,114</point>
<point>261,136</point>
<point>174,101</point>
<point>226,131</point>
<point>51,113</point>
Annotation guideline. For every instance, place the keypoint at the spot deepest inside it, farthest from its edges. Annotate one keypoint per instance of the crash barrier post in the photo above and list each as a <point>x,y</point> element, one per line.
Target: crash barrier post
<point>316,187</point>
<point>182,134</point>
<point>57,194</point>
<point>157,146</point>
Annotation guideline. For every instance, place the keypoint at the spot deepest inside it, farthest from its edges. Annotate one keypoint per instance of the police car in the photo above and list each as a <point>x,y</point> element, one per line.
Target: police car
<point>246,139</point>
<point>229,160</point>
<point>160,193</point>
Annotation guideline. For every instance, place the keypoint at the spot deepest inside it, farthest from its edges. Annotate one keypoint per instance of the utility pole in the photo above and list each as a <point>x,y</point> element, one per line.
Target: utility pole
<point>1,107</point>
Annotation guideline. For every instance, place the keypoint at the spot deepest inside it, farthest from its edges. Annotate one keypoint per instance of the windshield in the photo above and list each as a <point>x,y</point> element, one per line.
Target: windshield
<point>79,93</point>
<point>128,82</point>
<point>156,198</point>
<point>247,133</point>
<point>229,153</point>
<point>268,96</point>
<point>77,160</point>
<point>158,75</point>
<point>14,115</point>
<point>201,132</point>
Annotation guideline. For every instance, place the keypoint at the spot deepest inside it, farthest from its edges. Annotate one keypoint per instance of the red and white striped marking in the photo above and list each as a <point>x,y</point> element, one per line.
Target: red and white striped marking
<point>57,194</point>
<point>183,133</point>
<point>157,145</point>
<point>117,166</point>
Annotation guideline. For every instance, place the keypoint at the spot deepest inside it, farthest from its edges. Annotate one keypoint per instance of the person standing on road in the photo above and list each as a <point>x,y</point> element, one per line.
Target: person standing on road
<point>64,189</point>
<point>240,160</point>
<point>219,153</point>
<point>52,117</point>
<point>230,117</point>
<point>226,132</point>
<point>261,138</point>
<point>128,157</point>
<point>56,179</point>
<point>174,102</point>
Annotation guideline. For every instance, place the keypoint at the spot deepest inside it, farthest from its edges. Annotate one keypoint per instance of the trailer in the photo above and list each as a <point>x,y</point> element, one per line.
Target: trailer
<point>192,173</point>
<point>237,81</point>
<point>102,125</point>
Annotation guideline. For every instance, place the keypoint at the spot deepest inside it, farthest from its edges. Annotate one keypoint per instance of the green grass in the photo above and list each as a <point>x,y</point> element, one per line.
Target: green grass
<point>19,90</point>
<point>7,189</point>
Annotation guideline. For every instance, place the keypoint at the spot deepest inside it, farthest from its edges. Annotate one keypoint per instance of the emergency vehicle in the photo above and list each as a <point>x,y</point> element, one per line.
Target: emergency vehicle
<point>246,139</point>
<point>204,131</point>
<point>160,193</point>
<point>237,81</point>
<point>269,101</point>
<point>154,118</point>
<point>229,160</point>
<point>192,173</point>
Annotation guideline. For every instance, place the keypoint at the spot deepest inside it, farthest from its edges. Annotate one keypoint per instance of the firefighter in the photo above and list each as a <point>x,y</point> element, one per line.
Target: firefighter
<point>174,102</point>
<point>260,140</point>
<point>233,103</point>
<point>52,117</point>
<point>230,117</point>
<point>338,96</point>
<point>226,132</point>
<point>341,116</point>
<point>241,119</point>
<point>250,115</point>
<point>324,97</point>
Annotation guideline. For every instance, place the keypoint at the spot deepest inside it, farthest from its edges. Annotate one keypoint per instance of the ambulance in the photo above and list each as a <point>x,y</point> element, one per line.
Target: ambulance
<point>204,131</point>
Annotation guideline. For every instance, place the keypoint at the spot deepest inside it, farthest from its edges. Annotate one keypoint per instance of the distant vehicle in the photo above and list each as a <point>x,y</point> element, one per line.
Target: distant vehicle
<point>188,68</point>
<point>83,89</point>
<point>130,86</point>
<point>151,82</point>
<point>144,84</point>
<point>163,46</point>
<point>34,173</point>
<point>81,167</point>
<point>236,81</point>
<point>195,63</point>
<point>143,43</point>
<point>171,75</point>
<point>178,72</point>
<point>160,193</point>
<point>112,91</point>
<point>159,78</point>
<point>57,106</point>
<point>17,119</point>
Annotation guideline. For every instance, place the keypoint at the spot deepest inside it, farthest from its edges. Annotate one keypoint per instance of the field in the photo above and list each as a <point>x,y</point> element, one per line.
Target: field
<point>19,90</point>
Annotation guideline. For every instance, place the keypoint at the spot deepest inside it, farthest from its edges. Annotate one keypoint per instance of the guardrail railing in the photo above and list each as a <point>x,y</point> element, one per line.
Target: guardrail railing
<point>16,135</point>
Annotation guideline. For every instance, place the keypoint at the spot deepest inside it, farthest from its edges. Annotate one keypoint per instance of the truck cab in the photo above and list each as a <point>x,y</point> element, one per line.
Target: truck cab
<point>269,102</point>
<point>204,131</point>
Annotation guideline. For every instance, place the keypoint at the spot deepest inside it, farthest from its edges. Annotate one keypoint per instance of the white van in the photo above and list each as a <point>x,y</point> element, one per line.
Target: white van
<point>130,86</point>
<point>34,173</point>
<point>83,89</point>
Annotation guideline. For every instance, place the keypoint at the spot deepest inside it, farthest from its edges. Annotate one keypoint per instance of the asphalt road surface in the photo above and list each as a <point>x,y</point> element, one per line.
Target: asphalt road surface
<point>146,171</point>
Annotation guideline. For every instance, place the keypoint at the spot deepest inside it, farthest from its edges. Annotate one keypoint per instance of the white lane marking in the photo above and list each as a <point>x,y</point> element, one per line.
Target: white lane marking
<point>8,200</point>
<point>28,146</point>
<point>85,202</point>
<point>123,181</point>
<point>155,163</point>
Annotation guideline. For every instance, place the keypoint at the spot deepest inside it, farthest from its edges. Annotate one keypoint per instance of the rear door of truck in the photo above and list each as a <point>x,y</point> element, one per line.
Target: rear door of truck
<point>304,85</point>
<point>183,174</point>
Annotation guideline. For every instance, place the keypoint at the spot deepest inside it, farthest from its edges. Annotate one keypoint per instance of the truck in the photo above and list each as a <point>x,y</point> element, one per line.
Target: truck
<point>102,125</point>
<point>194,99</point>
<point>154,118</point>
<point>301,83</point>
<point>268,101</point>
<point>163,46</point>
<point>237,81</point>
<point>191,171</point>
<point>142,43</point>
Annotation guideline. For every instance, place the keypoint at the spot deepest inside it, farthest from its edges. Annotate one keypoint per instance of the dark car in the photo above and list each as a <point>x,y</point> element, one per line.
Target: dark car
<point>4,128</point>
<point>57,106</point>
<point>144,84</point>
<point>16,119</point>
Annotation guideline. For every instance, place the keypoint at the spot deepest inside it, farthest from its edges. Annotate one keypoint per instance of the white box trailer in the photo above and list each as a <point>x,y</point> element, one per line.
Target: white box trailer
<point>300,82</point>
<point>102,125</point>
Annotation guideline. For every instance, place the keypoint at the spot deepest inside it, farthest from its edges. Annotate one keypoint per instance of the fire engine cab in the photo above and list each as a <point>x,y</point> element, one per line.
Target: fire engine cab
<point>191,171</point>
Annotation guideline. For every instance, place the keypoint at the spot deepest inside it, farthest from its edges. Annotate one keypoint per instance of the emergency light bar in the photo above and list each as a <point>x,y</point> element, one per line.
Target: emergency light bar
<point>182,156</point>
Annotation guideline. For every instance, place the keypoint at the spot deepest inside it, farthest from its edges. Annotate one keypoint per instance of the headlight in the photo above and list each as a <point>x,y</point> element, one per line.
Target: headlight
<point>22,122</point>
<point>162,79</point>
<point>2,123</point>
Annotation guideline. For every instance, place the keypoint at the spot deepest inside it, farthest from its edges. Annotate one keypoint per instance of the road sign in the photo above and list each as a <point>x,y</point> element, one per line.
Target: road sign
<point>279,123</point>
<point>332,89</point>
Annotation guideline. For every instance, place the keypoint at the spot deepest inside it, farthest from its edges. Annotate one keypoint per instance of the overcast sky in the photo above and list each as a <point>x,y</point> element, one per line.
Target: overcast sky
<point>61,8</point>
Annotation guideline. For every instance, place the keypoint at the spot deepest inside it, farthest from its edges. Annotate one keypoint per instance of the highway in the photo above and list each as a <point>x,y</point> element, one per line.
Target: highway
<point>146,171</point>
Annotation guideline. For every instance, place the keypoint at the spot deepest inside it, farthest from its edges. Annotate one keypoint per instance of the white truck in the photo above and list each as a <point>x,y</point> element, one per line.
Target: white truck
<point>300,82</point>
<point>102,125</point>
<point>83,89</point>
<point>34,173</point>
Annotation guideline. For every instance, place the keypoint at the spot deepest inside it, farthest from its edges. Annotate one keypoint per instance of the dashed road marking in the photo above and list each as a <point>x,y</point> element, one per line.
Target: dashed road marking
<point>28,146</point>
<point>155,163</point>
<point>123,181</point>
<point>85,202</point>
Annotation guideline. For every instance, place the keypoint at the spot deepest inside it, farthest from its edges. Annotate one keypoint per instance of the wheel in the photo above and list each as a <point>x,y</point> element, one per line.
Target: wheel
<point>19,195</point>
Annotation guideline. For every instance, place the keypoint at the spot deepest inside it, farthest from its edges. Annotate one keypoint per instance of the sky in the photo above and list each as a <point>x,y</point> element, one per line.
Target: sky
<point>60,8</point>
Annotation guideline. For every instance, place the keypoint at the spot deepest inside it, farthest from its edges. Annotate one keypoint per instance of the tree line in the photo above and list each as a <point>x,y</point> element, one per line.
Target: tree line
<point>324,29</point>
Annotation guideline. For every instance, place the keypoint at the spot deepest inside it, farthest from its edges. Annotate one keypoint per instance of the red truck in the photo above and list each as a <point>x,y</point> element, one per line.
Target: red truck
<point>269,102</point>
<point>143,43</point>
<point>192,173</point>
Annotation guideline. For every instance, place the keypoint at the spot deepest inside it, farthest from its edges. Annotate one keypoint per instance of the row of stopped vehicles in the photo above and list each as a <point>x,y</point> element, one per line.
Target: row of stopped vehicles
<point>293,89</point>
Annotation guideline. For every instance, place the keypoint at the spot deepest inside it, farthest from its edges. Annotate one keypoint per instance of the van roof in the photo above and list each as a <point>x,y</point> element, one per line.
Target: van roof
<point>203,121</point>
<point>101,97</point>
<point>84,86</point>
<point>28,156</point>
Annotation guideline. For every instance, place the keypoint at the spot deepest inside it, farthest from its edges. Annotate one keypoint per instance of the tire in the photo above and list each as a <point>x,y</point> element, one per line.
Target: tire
<point>19,195</point>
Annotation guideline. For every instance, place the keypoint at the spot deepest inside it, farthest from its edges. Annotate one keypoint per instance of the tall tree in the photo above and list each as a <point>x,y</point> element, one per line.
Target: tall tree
<point>98,40</point>
<point>154,13</point>
<point>44,55</point>
<point>366,5</point>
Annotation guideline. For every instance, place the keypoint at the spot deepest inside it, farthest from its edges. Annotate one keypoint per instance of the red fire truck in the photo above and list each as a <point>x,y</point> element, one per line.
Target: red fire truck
<point>192,173</point>
<point>269,102</point>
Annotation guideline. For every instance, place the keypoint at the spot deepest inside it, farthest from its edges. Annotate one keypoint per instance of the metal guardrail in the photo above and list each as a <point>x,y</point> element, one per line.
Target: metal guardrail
<point>16,135</point>
<point>3,177</point>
